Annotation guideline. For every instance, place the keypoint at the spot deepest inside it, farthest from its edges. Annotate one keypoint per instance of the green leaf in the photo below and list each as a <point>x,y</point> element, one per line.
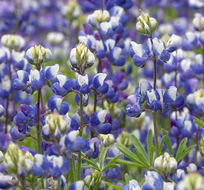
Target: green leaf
<point>161,143</point>
<point>168,142</point>
<point>102,156</point>
<point>150,146</point>
<point>92,163</point>
<point>139,147</point>
<point>130,163</point>
<point>151,154</point>
<point>140,157</point>
<point>181,148</point>
<point>113,186</point>
<point>127,178</point>
<point>199,122</point>
<point>186,151</point>
<point>87,166</point>
<point>130,154</point>
<point>111,162</point>
<point>110,166</point>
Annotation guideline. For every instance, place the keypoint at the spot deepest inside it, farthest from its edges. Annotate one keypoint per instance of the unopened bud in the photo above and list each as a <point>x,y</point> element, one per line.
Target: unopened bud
<point>146,24</point>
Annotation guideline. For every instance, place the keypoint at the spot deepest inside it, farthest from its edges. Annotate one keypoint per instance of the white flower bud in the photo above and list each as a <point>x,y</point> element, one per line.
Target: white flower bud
<point>165,163</point>
<point>12,41</point>
<point>38,54</point>
<point>146,24</point>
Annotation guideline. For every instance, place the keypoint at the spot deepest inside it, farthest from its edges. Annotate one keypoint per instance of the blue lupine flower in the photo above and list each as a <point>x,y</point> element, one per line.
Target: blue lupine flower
<point>98,82</point>
<point>83,83</point>
<point>139,53</point>
<point>4,54</point>
<point>152,181</point>
<point>6,87</point>
<point>15,134</point>
<point>37,79</point>
<point>170,97</point>
<point>85,99</point>
<point>20,82</point>
<point>78,185</point>
<point>2,110</point>
<point>199,66</point>
<point>5,181</point>
<point>159,50</point>
<point>98,118</point>
<point>51,72</point>
<point>60,165</point>
<point>152,98</point>
<point>104,128</point>
<point>56,102</point>
<point>62,86</point>
<point>186,69</point>
<point>174,43</point>
<point>133,184</point>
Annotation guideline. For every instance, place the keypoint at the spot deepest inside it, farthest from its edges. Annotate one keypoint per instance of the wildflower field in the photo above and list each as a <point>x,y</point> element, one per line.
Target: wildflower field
<point>102,94</point>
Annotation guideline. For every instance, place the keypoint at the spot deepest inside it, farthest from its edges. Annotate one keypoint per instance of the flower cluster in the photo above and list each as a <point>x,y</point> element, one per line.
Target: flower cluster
<point>101,95</point>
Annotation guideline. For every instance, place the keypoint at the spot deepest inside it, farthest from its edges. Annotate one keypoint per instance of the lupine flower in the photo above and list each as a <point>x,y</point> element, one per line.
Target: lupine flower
<point>133,184</point>
<point>78,185</point>
<point>56,103</point>
<point>174,43</point>
<point>2,110</point>
<point>165,163</point>
<point>152,181</point>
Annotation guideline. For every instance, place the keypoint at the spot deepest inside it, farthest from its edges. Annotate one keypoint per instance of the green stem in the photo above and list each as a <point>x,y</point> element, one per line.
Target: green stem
<point>80,134</point>
<point>154,114</point>
<point>197,145</point>
<point>38,122</point>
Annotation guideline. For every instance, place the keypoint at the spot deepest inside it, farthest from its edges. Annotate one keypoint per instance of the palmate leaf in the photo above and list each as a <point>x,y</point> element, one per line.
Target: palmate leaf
<point>139,147</point>
<point>132,156</point>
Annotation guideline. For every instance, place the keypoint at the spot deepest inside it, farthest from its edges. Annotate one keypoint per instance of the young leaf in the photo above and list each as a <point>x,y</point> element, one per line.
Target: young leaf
<point>168,142</point>
<point>151,154</point>
<point>181,148</point>
<point>139,147</point>
<point>102,156</point>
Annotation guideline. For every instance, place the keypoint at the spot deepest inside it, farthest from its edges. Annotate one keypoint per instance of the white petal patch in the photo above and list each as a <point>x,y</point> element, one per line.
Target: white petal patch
<point>116,52</point>
<point>101,115</point>
<point>151,95</point>
<point>35,74</point>
<point>101,78</point>
<point>172,92</point>
<point>20,74</point>
<point>62,79</point>
<point>82,79</point>
<point>137,48</point>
